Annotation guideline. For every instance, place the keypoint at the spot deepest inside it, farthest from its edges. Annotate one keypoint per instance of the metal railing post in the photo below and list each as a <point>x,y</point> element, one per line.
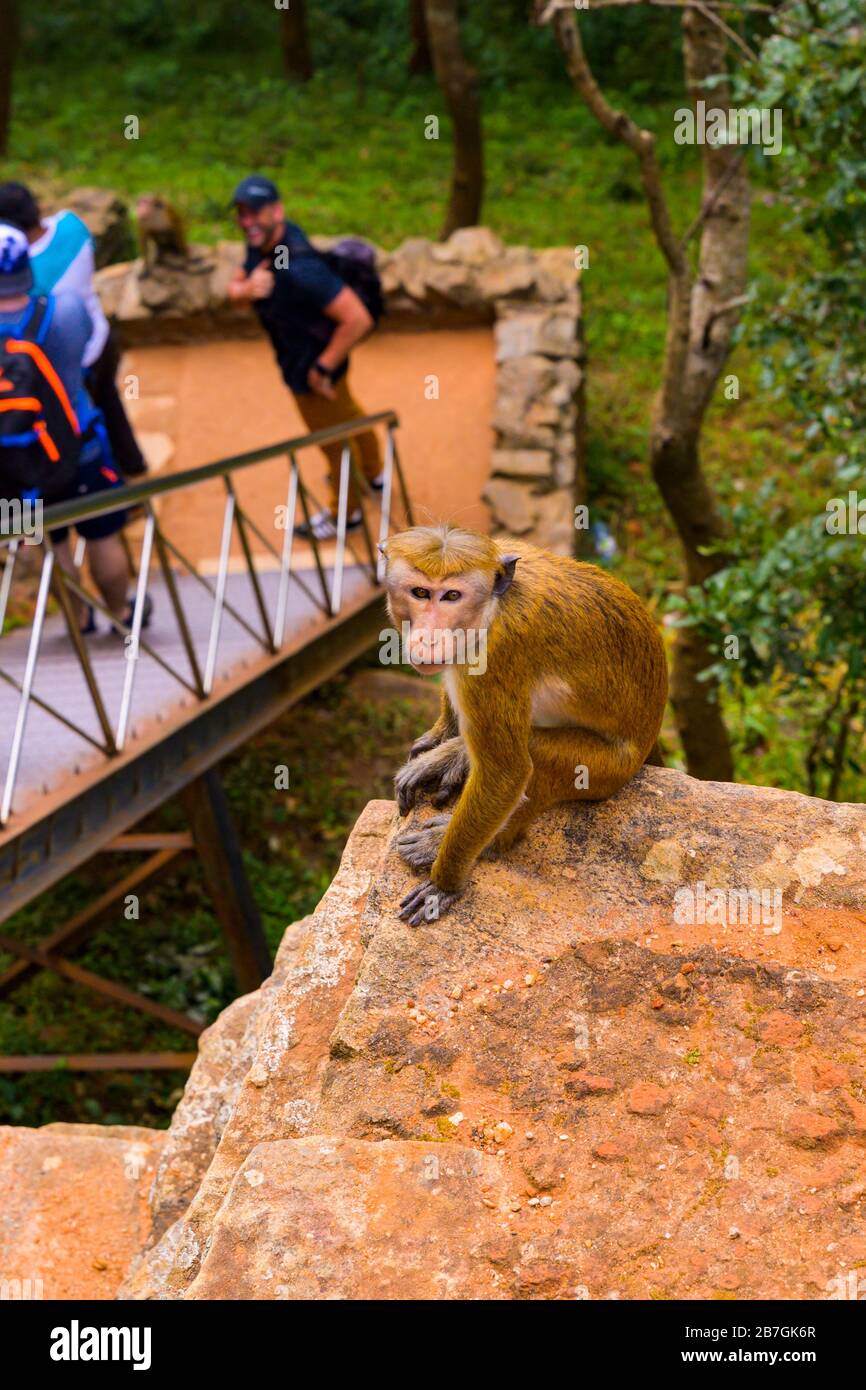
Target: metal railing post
<point>131,651</point>
<point>219,597</point>
<point>60,586</point>
<point>305,508</point>
<point>385,519</point>
<point>282,612</point>
<point>27,684</point>
<point>251,567</point>
<point>407,505</point>
<point>177,606</point>
<point>342,515</point>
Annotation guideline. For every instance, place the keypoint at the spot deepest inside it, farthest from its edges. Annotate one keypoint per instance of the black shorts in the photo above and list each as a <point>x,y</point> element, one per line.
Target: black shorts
<point>94,476</point>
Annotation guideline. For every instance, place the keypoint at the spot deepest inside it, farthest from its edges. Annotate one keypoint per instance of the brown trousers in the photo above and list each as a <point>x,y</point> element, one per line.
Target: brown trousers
<point>319,413</point>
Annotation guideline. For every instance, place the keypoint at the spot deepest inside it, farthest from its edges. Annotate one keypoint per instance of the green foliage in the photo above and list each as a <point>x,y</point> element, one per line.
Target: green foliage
<point>798,595</point>
<point>354,39</point>
<point>814,337</point>
<point>796,605</point>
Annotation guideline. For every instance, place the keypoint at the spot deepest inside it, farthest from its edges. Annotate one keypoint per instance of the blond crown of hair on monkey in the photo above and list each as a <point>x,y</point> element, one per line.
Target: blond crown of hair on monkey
<point>567,706</point>
<point>440,550</point>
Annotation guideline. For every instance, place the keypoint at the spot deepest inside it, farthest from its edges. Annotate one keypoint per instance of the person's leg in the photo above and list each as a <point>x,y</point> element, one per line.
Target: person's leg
<point>109,565</point>
<point>110,570</point>
<point>320,412</point>
<point>367,452</point>
<point>101,382</point>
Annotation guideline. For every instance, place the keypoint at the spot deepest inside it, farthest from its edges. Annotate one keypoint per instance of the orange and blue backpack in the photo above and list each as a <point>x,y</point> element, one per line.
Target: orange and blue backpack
<point>40,436</point>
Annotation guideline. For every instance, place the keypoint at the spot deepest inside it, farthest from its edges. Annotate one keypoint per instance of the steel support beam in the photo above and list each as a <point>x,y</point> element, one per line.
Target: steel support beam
<point>222,861</point>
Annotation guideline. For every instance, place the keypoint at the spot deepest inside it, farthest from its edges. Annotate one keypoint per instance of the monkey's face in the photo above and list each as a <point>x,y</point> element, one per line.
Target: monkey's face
<point>445,616</point>
<point>152,213</point>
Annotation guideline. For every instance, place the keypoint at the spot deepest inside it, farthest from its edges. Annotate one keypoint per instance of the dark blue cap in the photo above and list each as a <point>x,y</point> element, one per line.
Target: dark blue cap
<point>255,191</point>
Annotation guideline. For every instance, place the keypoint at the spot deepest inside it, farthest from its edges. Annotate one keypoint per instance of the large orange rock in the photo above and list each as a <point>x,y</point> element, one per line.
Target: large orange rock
<point>226,1052</point>
<point>657,1106</point>
<point>73,1207</point>
<point>339,1218</point>
<point>291,1023</point>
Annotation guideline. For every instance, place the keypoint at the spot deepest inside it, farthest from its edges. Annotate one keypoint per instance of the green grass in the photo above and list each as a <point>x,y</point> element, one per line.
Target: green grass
<point>350,161</point>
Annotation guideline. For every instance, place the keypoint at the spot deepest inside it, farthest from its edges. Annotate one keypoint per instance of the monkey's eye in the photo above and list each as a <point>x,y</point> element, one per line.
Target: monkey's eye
<point>452,596</point>
<point>420,593</point>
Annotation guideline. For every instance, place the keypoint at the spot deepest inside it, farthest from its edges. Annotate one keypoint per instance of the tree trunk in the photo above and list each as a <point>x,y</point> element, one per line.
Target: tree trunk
<point>9,37</point>
<point>459,84</point>
<point>702,313</point>
<point>297,57</point>
<point>420,59</point>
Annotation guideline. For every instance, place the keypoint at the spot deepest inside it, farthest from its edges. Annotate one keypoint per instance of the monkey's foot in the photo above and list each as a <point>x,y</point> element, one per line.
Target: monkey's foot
<point>440,772</point>
<point>419,847</point>
<point>424,744</point>
<point>426,903</point>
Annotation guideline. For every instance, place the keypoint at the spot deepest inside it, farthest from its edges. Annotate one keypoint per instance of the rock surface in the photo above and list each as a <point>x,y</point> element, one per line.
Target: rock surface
<point>338,1218</point>
<point>226,1052</point>
<point>564,1088</point>
<point>73,1207</point>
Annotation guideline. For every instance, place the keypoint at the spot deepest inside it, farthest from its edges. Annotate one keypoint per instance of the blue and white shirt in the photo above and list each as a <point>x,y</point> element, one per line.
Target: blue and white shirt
<point>62,259</point>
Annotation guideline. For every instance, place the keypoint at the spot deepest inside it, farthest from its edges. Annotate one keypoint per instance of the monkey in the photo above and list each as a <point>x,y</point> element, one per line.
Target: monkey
<point>161,229</point>
<point>562,699</point>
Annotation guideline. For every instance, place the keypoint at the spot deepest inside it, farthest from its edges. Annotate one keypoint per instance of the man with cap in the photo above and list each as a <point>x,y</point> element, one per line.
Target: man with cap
<point>313,320</point>
<point>64,344</point>
<point>62,258</point>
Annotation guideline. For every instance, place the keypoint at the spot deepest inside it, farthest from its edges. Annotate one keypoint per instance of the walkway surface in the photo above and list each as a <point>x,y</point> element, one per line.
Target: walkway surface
<point>52,753</point>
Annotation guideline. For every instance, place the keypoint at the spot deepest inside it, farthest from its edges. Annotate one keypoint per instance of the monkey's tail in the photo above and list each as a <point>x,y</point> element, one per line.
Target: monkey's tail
<point>654,757</point>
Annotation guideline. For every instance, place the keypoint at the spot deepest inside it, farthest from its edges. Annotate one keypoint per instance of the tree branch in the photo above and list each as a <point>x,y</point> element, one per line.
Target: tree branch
<point>641,142</point>
<point>710,14</point>
<point>548,8</point>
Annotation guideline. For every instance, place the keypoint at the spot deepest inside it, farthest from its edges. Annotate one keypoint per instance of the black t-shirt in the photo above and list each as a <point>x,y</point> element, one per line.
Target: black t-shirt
<point>292,317</point>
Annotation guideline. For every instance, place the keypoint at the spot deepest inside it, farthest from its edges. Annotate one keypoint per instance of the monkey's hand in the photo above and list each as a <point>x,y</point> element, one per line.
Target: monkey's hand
<point>426,903</point>
<point>420,846</point>
<point>440,772</point>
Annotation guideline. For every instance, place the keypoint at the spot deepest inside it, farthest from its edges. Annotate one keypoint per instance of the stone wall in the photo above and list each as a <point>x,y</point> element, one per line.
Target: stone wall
<point>530,299</point>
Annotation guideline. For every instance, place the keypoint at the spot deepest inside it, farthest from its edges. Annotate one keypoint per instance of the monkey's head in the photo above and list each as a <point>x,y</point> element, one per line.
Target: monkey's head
<point>447,584</point>
<point>152,213</point>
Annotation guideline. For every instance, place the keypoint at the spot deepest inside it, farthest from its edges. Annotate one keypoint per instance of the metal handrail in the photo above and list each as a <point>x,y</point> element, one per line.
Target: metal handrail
<point>154,543</point>
<point>133,494</point>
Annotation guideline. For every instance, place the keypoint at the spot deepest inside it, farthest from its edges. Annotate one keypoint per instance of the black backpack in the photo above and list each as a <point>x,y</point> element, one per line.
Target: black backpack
<point>39,430</point>
<point>354,261</point>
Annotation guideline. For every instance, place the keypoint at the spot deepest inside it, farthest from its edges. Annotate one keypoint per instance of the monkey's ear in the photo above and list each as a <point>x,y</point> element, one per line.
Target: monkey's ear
<point>502,582</point>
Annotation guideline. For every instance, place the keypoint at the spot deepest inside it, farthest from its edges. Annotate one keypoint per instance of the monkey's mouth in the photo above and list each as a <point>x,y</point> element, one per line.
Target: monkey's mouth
<point>427,663</point>
<point>428,669</point>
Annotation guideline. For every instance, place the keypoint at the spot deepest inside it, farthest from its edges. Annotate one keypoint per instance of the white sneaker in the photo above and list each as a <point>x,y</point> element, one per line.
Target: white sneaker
<point>323,526</point>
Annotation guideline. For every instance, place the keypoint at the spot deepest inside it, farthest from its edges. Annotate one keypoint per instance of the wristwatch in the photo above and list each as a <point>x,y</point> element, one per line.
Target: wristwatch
<point>329,372</point>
